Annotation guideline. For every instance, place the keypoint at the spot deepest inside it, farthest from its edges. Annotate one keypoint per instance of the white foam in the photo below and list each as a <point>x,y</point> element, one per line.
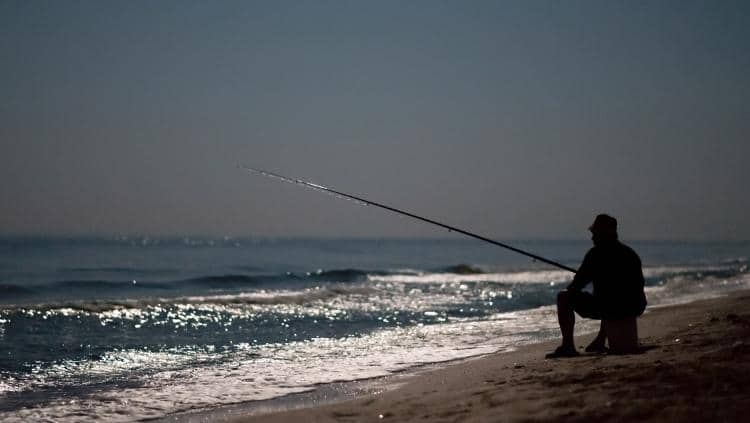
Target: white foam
<point>537,276</point>
<point>533,276</point>
<point>268,371</point>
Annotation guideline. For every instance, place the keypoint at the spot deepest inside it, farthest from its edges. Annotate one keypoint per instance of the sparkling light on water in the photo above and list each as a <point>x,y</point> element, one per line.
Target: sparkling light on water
<point>394,321</point>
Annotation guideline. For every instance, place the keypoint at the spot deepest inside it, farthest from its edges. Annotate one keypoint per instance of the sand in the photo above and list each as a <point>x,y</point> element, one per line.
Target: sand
<point>695,367</point>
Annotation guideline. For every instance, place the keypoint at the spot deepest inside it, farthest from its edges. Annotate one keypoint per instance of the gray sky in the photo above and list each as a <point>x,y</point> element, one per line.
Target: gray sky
<point>512,119</point>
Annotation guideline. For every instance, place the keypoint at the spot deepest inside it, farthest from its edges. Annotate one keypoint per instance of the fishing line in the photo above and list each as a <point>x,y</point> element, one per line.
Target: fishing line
<point>365,202</point>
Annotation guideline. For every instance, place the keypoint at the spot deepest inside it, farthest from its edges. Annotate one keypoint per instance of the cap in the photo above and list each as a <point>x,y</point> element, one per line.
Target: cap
<point>604,224</point>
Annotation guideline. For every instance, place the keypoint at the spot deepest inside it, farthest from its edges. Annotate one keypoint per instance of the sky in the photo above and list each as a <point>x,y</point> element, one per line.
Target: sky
<point>513,119</point>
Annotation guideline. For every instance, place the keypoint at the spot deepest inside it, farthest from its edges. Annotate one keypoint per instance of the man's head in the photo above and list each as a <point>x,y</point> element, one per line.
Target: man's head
<point>603,229</point>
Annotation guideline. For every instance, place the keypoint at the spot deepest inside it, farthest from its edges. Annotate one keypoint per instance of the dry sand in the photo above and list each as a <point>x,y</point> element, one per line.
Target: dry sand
<point>695,367</point>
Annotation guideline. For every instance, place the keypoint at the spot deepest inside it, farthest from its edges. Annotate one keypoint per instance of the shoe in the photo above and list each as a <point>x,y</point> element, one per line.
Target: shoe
<point>563,352</point>
<point>598,349</point>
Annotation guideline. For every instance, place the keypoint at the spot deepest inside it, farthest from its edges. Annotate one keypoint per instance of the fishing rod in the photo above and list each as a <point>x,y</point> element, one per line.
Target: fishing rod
<point>365,202</point>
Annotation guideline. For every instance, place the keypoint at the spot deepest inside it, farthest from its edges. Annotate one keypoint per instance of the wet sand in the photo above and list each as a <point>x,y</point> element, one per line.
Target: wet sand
<point>695,367</point>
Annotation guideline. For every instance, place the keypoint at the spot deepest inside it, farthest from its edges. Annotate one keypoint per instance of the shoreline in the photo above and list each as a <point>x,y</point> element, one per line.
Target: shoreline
<point>328,393</point>
<point>522,385</point>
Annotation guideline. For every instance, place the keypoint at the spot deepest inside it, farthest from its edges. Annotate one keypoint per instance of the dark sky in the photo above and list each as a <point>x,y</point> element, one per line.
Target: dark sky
<point>512,119</point>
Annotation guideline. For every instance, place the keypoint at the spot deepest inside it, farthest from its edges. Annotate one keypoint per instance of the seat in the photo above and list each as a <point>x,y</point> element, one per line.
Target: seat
<point>622,335</point>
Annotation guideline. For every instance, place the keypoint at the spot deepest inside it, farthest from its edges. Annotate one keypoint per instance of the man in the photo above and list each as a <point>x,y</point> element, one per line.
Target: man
<point>615,270</point>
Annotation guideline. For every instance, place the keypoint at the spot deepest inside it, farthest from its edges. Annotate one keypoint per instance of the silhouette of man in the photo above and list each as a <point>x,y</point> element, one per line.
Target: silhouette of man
<point>615,270</point>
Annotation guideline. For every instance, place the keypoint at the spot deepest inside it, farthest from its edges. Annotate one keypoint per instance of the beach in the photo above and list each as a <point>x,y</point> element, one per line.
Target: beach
<point>694,366</point>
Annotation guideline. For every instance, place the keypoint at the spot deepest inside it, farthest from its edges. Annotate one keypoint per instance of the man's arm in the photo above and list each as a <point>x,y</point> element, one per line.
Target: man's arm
<point>583,275</point>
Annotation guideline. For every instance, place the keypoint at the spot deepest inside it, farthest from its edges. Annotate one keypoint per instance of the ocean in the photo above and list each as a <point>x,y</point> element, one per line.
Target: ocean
<point>132,328</point>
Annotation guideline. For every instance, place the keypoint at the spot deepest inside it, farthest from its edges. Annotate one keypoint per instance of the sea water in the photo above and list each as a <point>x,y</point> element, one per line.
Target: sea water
<point>128,328</point>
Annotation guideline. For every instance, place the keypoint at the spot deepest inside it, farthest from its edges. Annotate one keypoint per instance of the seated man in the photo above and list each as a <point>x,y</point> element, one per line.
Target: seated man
<point>615,270</point>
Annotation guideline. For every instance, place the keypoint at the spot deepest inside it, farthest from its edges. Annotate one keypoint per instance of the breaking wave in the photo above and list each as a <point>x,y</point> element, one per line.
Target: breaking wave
<point>10,291</point>
<point>106,285</point>
<point>464,269</point>
<point>320,285</point>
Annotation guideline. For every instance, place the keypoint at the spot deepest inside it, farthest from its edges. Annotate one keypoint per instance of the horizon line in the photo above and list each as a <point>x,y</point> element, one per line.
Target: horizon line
<point>227,237</point>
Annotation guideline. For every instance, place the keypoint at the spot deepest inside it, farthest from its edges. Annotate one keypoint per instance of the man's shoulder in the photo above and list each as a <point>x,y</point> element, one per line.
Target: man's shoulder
<point>626,248</point>
<point>617,248</point>
<point>628,253</point>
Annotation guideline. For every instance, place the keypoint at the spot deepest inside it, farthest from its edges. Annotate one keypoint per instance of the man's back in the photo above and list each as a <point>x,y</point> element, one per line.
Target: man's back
<point>615,270</point>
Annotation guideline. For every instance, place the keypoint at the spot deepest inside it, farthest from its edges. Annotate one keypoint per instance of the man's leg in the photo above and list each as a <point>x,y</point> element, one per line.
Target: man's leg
<point>597,345</point>
<point>566,318</point>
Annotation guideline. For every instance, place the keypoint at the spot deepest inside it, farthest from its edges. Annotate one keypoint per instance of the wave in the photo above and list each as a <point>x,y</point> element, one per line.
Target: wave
<point>276,297</point>
<point>10,290</point>
<point>735,260</point>
<point>340,275</point>
<point>532,277</point>
<point>299,288</point>
<point>320,275</point>
<point>346,275</point>
<point>228,281</point>
<point>463,273</point>
<point>284,297</point>
<point>658,275</point>
<point>73,289</point>
<point>464,269</point>
<point>10,293</point>
<point>107,285</point>
<point>210,281</point>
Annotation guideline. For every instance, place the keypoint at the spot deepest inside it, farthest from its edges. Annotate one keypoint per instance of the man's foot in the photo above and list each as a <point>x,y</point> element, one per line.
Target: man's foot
<point>596,347</point>
<point>563,351</point>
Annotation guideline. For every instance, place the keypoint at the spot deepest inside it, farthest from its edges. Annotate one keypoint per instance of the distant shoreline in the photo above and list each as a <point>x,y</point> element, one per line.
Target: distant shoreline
<point>333,238</point>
